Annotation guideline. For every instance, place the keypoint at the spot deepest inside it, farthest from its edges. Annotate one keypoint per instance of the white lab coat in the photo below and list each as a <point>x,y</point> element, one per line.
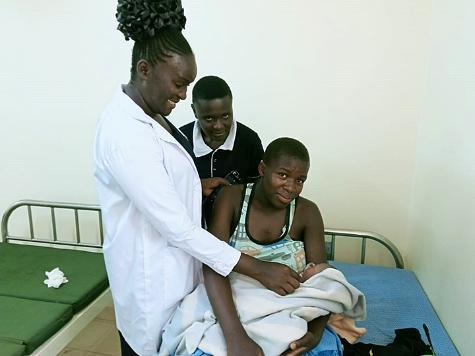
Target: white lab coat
<point>150,195</point>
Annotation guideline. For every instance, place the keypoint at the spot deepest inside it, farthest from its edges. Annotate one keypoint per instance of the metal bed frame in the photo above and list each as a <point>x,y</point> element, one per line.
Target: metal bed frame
<point>63,337</point>
<point>58,341</point>
<point>53,207</point>
<point>363,236</point>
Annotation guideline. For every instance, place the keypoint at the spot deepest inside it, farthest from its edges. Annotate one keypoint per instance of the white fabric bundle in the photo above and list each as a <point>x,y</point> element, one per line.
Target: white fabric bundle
<point>55,278</point>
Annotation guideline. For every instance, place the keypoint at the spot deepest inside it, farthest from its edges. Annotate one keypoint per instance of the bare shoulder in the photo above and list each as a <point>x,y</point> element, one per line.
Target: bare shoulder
<point>307,213</point>
<point>231,191</point>
<point>230,196</point>
<point>306,206</point>
<point>225,211</point>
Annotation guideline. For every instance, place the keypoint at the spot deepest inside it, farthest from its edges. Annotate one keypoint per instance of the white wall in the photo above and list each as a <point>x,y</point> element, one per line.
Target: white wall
<point>59,65</point>
<point>442,244</point>
<point>345,77</point>
<point>351,79</point>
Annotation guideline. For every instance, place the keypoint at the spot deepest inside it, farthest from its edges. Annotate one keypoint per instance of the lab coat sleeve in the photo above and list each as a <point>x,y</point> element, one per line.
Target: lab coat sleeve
<point>138,167</point>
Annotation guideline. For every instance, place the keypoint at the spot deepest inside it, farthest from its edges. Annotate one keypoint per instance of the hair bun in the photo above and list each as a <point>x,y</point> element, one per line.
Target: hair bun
<point>142,19</point>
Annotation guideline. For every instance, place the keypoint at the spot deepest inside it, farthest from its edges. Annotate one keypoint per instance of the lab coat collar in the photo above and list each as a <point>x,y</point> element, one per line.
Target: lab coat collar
<point>200,148</point>
<point>136,112</point>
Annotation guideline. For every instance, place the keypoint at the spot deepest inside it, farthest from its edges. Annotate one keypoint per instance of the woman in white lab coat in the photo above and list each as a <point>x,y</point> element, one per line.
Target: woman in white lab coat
<point>149,189</point>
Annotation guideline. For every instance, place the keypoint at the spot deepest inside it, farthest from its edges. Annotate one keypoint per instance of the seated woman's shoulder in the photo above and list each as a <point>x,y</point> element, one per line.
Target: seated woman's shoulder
<point>229,197</point>
<point>231,191</point>
<point>235,187</point>
<point>306,205</point>
<point>307,213</point>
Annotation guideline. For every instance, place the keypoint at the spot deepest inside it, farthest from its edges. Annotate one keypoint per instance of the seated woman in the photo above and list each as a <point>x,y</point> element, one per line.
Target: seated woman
<point>271,222</point>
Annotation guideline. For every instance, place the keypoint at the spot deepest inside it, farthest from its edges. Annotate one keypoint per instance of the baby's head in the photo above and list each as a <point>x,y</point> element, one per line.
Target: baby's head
<point>312,269</point>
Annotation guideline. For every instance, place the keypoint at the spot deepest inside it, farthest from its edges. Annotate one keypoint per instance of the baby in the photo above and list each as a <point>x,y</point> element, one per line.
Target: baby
<point>342,325</point>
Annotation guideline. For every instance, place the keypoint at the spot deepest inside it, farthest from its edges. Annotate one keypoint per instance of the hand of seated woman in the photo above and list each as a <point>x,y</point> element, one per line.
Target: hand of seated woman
<point>302,345</point>
<point>239,346</point>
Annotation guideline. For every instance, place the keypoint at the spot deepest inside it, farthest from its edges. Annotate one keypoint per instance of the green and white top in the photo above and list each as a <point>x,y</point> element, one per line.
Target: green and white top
<point>283,250</point>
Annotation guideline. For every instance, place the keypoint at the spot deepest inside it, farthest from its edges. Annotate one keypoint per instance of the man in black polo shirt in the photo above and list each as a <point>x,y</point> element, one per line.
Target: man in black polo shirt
<point>221,144</point>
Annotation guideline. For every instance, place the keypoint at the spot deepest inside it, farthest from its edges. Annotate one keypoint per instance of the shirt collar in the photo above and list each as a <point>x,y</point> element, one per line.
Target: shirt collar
<point>200,148</point>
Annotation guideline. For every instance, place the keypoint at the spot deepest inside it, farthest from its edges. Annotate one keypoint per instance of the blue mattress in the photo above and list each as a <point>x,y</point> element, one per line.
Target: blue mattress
<point>395,300</point>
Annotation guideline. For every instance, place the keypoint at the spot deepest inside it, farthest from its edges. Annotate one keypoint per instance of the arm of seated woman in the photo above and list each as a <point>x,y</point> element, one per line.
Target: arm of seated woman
<point>309,226</point>
<point>219,288</point>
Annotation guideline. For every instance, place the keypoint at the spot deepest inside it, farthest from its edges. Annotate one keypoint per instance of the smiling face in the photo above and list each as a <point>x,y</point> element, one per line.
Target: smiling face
<point>164,84</point>
<point>215,117</point>
<point>283,179</point>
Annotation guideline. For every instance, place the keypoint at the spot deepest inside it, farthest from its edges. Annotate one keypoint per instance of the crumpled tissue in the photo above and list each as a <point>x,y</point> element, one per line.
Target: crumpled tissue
<point>55,278</point>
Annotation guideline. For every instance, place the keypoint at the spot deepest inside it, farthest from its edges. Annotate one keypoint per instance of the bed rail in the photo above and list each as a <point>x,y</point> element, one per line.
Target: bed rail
<point>333,234</point>
<point>363,235</point>
<point>52,207</point>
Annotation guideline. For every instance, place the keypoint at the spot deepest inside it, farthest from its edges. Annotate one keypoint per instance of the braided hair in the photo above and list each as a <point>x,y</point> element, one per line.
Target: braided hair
<point>155,26</point>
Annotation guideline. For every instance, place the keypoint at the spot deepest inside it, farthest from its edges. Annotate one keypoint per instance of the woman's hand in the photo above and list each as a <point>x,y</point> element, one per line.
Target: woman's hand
<point>310,339</point>
<point>277,277</point>
<point>302,345</point>
<point>244,346</point>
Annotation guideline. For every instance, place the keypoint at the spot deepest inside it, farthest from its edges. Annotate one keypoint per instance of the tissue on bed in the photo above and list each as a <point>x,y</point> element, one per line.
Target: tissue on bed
<point>55,278</point>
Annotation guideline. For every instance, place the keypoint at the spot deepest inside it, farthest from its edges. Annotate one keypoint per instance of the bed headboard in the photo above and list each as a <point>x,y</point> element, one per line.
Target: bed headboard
<point>332,234</point>
<point>51,209</point>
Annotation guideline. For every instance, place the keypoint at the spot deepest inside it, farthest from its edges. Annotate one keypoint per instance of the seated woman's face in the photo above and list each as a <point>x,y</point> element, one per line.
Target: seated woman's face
<point>283,179</point>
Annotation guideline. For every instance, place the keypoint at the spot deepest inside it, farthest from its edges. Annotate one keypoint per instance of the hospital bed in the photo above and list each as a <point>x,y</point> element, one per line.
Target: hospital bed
<point>42,321</point>
<point>35,319</point>
<point>394,297</point>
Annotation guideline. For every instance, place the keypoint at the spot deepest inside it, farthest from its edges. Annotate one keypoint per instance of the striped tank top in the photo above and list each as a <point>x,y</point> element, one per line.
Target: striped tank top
<point>283,250</point>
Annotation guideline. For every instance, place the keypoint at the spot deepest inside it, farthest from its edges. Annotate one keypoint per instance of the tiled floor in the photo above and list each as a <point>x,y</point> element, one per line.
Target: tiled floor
<point>100,337</point>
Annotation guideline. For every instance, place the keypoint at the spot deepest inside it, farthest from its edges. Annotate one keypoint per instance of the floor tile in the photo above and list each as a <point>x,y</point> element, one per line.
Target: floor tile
<point>72,352</point>
<point>110,344</point>
<point>92,335</point>
<point>107,314</point>
<point>98,338</point>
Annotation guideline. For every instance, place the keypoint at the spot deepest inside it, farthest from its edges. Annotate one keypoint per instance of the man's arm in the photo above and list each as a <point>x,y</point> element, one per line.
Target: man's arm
<point>313,231</point>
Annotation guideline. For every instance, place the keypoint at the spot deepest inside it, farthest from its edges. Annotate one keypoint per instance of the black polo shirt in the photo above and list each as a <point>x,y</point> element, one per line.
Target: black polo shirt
<point>244,157</point>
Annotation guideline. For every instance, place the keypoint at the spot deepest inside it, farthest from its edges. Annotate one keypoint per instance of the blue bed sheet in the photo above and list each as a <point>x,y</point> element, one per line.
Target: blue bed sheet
<point>395,300</point>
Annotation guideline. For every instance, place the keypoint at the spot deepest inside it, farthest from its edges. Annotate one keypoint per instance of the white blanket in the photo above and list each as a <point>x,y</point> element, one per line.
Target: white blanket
<point>271,320</point>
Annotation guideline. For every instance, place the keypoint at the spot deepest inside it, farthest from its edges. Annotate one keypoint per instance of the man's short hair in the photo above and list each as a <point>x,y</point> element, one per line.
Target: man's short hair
<point>285,146</point>
<point>210,87</point>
